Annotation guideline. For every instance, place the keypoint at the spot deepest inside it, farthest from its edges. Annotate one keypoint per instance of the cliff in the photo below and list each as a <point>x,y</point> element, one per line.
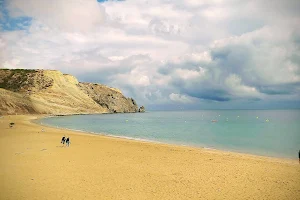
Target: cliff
<point>51,92</point>
<point>109,98</point>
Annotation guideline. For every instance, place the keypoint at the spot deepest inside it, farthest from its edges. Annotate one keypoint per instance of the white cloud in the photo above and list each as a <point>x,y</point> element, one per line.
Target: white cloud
<point>11,63</point>
<point>69,15</point>
<point>161,27</point>
<point>116,58</point>
<point>190,74</point>
<point>234,85</point>
<point>269,49</point>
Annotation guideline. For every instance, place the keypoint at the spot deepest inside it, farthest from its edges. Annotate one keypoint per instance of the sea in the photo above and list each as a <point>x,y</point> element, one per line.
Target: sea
<point>272,133</point>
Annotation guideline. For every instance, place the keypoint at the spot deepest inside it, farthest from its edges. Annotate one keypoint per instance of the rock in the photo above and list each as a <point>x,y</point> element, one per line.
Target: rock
<point>109,98</point>
<point>142,109</point>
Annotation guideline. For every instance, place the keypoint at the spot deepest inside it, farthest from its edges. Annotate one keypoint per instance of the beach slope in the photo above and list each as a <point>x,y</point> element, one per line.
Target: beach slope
<point>34,165</point>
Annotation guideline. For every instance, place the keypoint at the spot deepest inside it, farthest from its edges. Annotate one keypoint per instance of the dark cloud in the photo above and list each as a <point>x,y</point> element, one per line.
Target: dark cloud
<point>209,94</point>
<point>250,68</point>
<point>280,89</point>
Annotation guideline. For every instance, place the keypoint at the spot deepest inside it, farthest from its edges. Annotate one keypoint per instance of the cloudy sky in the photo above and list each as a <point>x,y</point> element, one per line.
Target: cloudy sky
<point>167,54</point>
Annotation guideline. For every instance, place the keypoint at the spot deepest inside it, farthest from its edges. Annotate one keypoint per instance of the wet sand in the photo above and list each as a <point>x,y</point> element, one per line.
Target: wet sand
<point>34,165</point>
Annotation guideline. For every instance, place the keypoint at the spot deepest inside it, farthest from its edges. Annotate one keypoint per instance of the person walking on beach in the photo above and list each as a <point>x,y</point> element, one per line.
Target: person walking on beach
<point>68,141</point>
<point>299,156</point>
<point>63,139</point>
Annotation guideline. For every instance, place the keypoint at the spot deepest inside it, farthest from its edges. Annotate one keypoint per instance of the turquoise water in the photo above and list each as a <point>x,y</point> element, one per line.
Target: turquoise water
<point>273,133</point>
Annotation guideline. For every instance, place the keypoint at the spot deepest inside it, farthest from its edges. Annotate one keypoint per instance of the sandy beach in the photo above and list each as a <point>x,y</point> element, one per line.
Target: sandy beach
<point>34,165</point>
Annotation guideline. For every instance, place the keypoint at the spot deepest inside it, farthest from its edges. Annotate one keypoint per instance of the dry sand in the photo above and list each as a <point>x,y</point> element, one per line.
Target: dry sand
<point>34,165</point>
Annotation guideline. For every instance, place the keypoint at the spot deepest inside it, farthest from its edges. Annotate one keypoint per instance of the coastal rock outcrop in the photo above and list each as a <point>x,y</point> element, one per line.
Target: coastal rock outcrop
<point>52,92</point>
<point>142,109</point>
<point>110,98</point>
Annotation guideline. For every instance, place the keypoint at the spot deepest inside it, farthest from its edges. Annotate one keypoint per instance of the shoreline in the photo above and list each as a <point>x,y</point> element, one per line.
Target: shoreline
<point>35,121</point>
<point>34,165</point>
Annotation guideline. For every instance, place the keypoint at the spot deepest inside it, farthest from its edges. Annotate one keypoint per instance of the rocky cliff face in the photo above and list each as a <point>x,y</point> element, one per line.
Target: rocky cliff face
<point>51,92</point>
<point>110,98</point>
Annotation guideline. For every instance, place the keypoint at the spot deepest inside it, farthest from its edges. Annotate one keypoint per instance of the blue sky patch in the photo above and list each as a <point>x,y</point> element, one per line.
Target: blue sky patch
<point>8,23</point>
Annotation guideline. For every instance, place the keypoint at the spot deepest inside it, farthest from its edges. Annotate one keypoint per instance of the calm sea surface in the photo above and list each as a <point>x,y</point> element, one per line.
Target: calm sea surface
<point>273,133</point>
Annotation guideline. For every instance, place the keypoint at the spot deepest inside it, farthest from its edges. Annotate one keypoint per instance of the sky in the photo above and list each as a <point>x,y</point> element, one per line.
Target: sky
<point>166,54</point>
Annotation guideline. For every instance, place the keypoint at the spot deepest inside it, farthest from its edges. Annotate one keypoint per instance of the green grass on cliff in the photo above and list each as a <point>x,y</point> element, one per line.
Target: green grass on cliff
<point>13,79</point>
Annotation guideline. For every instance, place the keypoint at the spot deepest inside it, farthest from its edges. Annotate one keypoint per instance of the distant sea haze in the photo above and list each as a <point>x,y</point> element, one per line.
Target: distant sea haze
<point>274,133</point>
